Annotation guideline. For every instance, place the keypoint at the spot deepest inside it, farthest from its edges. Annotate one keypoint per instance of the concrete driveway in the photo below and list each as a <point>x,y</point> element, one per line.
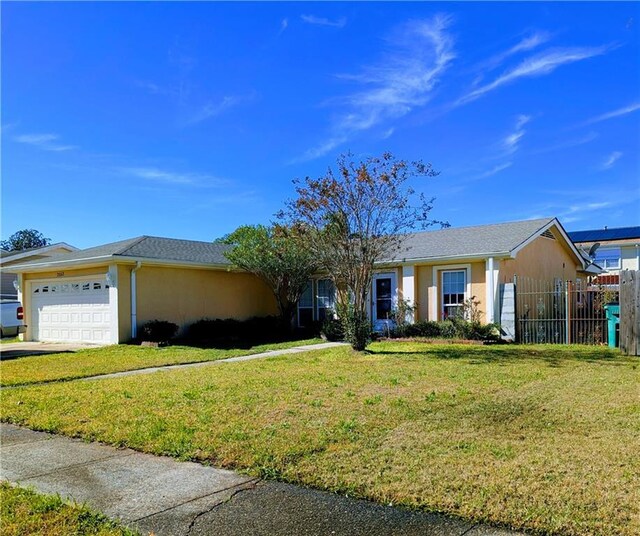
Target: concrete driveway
<point>21,349</point>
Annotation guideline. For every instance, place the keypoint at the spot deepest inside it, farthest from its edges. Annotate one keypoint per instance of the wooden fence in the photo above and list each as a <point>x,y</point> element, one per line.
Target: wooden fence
<point>630,312</point>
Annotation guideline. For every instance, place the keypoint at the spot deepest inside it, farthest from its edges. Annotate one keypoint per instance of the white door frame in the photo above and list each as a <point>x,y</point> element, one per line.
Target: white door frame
<point>383,323</point>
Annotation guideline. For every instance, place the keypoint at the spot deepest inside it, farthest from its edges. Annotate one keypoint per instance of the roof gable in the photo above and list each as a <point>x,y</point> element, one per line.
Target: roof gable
<point>7,257</point>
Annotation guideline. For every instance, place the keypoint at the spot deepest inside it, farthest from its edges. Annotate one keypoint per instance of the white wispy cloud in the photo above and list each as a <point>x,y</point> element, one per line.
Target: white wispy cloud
<point>388,133</point>
<point>212,109</point>
<point>284,24</point>
<point>48,142</point>
<point>322,21</point>
<point>598,200</point>
<point>530,42</point>
<point>511,141</point>
<point>541,64</point>
<point>320,150</point>
<point>420,52</point>
<point>574,142</point>
<point>611,160</point>
<point>615,113</point>
<point>157,175</point>
<point>493,171</point>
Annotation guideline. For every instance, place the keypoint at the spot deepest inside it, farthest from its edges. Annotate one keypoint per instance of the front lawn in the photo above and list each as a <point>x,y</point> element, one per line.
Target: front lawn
<point>117,358</point>
<point>24,512</point>
<point>539,438</point>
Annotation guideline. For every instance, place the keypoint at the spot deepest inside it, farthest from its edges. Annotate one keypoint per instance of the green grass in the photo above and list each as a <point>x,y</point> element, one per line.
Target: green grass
<point>116,358</point>
<point>10,340</point>
<point>24,512</point>
<point>543,438</point>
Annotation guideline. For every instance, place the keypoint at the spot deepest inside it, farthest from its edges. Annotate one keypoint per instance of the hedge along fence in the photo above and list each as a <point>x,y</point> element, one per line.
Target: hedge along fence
<point>455,328</point>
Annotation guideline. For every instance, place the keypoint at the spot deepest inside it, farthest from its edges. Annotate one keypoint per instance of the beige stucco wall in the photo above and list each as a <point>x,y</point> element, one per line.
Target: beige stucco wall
<point>543,259</point>
<point>180,295</point>
<point>427,292</point>
<point>124,302</point>
<point>183,296</point>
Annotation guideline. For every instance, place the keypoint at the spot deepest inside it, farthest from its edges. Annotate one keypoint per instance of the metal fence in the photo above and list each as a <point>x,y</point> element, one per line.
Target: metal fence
<point>561,312</point>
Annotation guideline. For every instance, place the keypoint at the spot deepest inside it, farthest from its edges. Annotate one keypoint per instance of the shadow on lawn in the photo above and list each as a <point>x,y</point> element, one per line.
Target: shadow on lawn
<point>553,356</point>
<point>15,354</point>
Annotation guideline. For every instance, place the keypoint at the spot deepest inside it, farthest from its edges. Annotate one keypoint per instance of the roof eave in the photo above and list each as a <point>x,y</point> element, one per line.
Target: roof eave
<point>431,260</point>
<point>114,259</point>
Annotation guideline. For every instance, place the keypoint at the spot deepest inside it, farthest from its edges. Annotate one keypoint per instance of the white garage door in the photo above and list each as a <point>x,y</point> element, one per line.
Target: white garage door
<point>71,311</point>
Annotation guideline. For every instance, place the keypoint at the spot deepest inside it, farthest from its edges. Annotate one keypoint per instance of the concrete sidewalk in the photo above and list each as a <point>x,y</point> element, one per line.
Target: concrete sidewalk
<point>167,497</point>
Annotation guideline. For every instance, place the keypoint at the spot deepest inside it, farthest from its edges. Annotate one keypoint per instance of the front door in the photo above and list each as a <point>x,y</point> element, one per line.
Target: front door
<point>384,300</point>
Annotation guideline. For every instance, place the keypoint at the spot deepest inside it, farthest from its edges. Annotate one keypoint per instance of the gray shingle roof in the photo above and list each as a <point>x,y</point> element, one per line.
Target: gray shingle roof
<point>470,241</point>
<point>500,238</point>
<point>147,247</point>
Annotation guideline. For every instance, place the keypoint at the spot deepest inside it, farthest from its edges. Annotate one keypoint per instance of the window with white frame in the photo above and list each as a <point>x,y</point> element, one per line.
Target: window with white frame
<point>325,298</point>
<point>454,284</point>
<point>305,306</point>
<point>608,258</point>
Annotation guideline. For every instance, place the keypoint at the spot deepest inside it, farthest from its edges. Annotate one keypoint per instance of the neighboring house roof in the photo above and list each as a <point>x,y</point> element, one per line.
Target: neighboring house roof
<point>603,235</point>
<point>12,256</point>
<point>499,240</point>
<point>141,248</point>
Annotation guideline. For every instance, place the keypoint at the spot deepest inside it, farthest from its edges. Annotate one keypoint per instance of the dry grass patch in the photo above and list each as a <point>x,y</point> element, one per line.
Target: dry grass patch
<point>540,438</point>
<point>117,358</point>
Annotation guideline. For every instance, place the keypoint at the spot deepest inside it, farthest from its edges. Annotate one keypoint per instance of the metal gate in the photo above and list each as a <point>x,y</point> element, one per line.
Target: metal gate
<point>561,312</point>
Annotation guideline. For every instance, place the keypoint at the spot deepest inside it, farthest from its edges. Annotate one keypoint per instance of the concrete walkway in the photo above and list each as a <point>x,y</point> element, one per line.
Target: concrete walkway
<point>167,497</point>
<point>248,357</point>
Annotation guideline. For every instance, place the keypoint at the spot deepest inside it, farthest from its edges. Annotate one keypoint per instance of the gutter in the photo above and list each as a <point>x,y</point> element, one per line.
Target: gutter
<point>134,305</point>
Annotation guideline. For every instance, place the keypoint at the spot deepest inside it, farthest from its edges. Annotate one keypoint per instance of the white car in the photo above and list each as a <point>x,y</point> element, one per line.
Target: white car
<point>12,318</point>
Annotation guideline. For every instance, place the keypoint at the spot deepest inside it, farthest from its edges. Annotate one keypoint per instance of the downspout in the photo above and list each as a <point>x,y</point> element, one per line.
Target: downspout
<point>491,293</point>
<point>134,321</point>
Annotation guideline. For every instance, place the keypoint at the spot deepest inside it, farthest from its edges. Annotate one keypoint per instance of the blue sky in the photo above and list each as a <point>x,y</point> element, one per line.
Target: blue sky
<point>187,120</point>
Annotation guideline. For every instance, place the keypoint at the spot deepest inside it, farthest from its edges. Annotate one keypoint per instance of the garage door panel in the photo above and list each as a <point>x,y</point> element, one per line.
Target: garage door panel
<point>72,311</point>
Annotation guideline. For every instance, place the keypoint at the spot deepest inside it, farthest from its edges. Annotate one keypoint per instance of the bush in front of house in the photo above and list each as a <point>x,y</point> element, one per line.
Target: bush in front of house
<point>332,330</point>
<point>158,331</point>
<point>453,328</point>
<point>229,332</point>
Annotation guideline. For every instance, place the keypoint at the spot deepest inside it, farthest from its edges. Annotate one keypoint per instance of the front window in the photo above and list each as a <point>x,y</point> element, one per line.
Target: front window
<point>608,258</point>
<point>325,298</point>
<point>305,306</point>
<point>454,284</point>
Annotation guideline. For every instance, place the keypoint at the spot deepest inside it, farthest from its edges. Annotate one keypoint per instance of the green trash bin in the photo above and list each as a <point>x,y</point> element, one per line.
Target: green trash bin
<point>612,310</point>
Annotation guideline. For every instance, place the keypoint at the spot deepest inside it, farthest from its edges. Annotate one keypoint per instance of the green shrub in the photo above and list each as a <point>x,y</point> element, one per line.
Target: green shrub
<point>356,326</point>
<point>229,332</point>
<point>332,330</point>
<point>159,331</point>
<point>452,328</point>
